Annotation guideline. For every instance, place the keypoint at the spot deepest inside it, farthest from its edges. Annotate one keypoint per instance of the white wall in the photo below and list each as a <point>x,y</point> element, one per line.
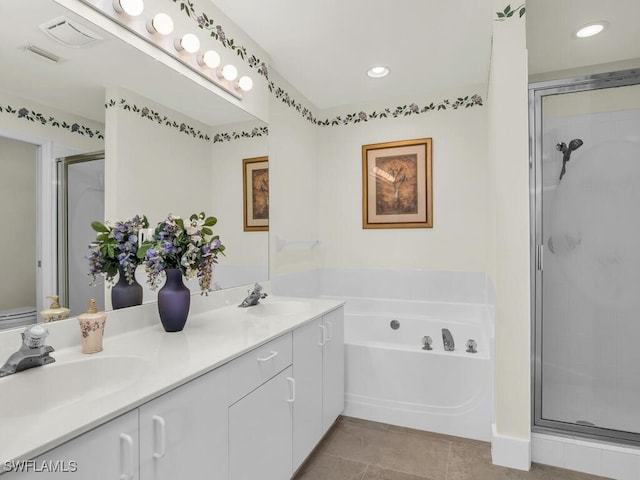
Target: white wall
<point>246,258</point>
<point>509,245</point>
<point>18,213</point>
<point>152,168</point>
<point>458,239</point>
<point>293,174</point>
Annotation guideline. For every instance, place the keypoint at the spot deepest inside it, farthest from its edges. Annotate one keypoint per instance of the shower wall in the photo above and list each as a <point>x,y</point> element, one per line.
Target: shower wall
<point>591,275</point>
<point>85,204</point>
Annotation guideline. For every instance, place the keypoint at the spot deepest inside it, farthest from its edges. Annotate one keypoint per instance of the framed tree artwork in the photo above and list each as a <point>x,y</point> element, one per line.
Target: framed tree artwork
<point>255,175</point>
<point>397,184</point>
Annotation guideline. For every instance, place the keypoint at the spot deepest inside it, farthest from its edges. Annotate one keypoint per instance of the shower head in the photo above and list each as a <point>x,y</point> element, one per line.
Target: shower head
<point>575,144</point>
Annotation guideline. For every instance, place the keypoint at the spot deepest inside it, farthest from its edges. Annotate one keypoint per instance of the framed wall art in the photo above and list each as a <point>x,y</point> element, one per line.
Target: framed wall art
<point>255,189</point>
<point>397,184</point>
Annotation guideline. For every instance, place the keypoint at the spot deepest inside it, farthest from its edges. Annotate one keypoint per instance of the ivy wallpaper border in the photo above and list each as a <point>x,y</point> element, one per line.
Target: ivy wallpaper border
<point>152,115</point>
<point>508,12</point>
<point>48,120</point>
<point>216,31</point>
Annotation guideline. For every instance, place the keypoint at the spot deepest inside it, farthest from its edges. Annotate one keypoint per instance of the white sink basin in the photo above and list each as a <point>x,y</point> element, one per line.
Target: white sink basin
<point>279,308</point>
<point>57,384</point>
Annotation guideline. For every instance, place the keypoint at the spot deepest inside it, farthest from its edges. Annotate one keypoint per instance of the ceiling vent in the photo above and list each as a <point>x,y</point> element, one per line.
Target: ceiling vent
<point>69,33</point>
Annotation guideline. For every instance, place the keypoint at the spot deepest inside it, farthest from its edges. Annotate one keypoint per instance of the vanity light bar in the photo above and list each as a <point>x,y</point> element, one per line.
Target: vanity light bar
<point>185,48</point>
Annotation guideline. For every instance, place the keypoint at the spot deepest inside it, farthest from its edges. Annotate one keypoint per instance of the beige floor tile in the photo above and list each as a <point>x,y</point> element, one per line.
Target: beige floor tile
<point>329,467</point>
<point>397,450</point>
<point>472,462</point>
<point>375,473</point>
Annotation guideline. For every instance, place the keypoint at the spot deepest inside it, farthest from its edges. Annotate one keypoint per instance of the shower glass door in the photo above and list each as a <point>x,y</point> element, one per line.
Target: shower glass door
<point>586,255</point>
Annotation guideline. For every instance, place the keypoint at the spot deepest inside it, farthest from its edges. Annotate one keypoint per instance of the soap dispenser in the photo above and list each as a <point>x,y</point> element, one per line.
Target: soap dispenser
<point>92,328</point>
<point>55,311</point>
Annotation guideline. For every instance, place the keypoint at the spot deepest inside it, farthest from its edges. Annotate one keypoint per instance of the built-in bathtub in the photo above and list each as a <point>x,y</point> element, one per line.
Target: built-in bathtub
<point>389,378</point>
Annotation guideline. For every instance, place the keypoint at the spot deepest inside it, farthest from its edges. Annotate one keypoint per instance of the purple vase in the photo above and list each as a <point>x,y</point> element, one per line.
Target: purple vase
<point>174,300</point>
<point>125,295</point>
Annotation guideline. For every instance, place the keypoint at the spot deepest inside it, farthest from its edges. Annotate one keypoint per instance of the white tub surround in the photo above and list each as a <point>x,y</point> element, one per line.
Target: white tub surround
<point>217,332</point>
<point>389,378</point>
<point>509,451</point>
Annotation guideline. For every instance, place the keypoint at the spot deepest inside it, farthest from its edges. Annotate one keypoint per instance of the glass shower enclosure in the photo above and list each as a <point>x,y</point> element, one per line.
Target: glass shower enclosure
<point>585,255</point>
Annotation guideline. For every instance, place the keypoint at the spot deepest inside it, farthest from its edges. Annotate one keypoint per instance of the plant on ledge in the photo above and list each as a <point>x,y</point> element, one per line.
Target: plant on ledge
<point>187,245</point>
<point>116,249</point>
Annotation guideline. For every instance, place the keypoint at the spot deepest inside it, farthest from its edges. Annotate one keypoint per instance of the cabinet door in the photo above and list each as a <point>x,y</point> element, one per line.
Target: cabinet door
<point>260,431</point>
<point>308,342</point>
<point>333,367</point>
<point>183,433</point>
<point>108,452</point>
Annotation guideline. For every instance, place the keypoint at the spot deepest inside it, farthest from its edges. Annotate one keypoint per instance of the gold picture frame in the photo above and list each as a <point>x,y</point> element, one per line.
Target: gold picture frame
<point>397,187</point>
<point>255,193</point>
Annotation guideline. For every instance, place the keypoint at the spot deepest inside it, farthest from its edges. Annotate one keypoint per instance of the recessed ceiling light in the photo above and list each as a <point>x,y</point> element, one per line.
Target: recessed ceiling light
<point>591,29</point>
<point>378,72</point>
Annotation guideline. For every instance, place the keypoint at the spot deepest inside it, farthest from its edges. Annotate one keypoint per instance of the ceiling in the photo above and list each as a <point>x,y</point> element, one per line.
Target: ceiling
<point>551,24</point>
<point>77,82</point>
<point>322,47</point>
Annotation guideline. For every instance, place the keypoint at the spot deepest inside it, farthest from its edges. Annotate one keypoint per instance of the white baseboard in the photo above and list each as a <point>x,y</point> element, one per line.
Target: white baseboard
<point>512,452</point>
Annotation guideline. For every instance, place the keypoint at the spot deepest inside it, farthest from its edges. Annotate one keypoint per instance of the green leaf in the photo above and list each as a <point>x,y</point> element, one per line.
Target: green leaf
<point>510,14</point>
<point>142,251</point>
<point>210,221</point>
<point>500,14</point>
<point>207,231</point>
<point>99,227</point>
<point>522,11</point>
<point>507,9</point>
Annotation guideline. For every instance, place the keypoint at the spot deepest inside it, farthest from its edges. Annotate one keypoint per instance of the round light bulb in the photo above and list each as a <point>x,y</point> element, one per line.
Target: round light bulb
<point>378,72</point>
<point>132,8</point>
<point>591,29</point>
<point>188,42</point>
<point>229,72</point>
<point>209,59</point>
<point>161,23</point>
<point>245,83</point>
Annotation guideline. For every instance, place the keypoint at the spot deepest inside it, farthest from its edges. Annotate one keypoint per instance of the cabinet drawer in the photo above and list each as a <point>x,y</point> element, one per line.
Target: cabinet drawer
<point>252,369</point>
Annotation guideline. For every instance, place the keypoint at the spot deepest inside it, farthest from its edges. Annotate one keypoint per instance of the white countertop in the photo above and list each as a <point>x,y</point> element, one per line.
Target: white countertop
<point>167,360</point>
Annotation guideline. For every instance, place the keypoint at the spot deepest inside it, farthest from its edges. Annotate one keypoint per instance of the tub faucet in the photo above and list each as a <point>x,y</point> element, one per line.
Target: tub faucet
<point>254,297</point>
<point>447,339</point>
<point>32,353</point>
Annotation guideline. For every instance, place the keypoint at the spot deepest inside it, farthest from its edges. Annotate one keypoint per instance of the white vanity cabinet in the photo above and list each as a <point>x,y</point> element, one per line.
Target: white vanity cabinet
<point>318,369</point>
<point>260,431</point>
<point>183,433</point>
<point>256,417</point>
<point>107,452</point>
<point>262,392</point>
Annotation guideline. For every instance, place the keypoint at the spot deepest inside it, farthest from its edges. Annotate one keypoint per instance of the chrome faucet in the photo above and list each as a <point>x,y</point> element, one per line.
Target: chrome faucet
<point>254,297</point>
<point>32,353</point>
<point>447,339</point>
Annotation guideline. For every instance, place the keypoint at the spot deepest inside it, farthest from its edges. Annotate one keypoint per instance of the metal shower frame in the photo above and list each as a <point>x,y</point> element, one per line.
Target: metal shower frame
<point>537,91</point>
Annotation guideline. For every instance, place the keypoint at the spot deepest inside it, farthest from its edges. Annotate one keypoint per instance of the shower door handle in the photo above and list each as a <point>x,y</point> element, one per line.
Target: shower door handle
<point>539,257</point>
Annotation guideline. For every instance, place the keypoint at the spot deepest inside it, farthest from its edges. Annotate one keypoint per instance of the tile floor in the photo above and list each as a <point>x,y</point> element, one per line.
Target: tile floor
<point>361,450</point>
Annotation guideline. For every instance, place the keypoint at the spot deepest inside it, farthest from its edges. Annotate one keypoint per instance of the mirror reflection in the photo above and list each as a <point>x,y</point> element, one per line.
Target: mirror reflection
<point>90,135</point>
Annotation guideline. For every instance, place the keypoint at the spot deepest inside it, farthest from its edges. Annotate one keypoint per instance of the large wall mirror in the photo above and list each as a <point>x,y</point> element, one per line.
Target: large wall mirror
<point>105,128</point>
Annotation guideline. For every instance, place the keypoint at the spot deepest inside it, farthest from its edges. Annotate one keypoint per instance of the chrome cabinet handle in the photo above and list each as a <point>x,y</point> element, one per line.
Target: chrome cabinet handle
<point>126,459</point>
<point>268,357</point>
<point>324,334</point>
<point>160,436</point>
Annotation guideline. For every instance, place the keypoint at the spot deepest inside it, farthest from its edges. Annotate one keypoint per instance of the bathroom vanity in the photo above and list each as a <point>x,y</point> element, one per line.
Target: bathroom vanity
<point>239,394</point>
